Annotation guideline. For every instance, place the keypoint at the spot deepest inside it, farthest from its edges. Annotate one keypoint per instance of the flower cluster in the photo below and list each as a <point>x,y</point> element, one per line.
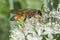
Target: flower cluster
<point>39,28</point>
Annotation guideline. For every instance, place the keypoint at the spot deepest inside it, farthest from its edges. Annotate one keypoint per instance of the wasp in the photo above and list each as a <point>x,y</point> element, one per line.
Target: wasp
<point>24,12</point>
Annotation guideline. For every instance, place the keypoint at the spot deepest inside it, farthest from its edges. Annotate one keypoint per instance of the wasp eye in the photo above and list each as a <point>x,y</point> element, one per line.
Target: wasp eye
<point>39,12</point>
<point>12,19</point>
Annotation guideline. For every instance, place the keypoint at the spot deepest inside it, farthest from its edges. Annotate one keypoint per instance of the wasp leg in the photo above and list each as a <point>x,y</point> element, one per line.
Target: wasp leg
<point>39,12</point>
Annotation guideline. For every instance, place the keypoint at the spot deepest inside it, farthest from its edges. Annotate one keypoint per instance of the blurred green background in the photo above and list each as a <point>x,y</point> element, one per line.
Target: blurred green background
<point>21,4</point>
<point>4,20</point>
